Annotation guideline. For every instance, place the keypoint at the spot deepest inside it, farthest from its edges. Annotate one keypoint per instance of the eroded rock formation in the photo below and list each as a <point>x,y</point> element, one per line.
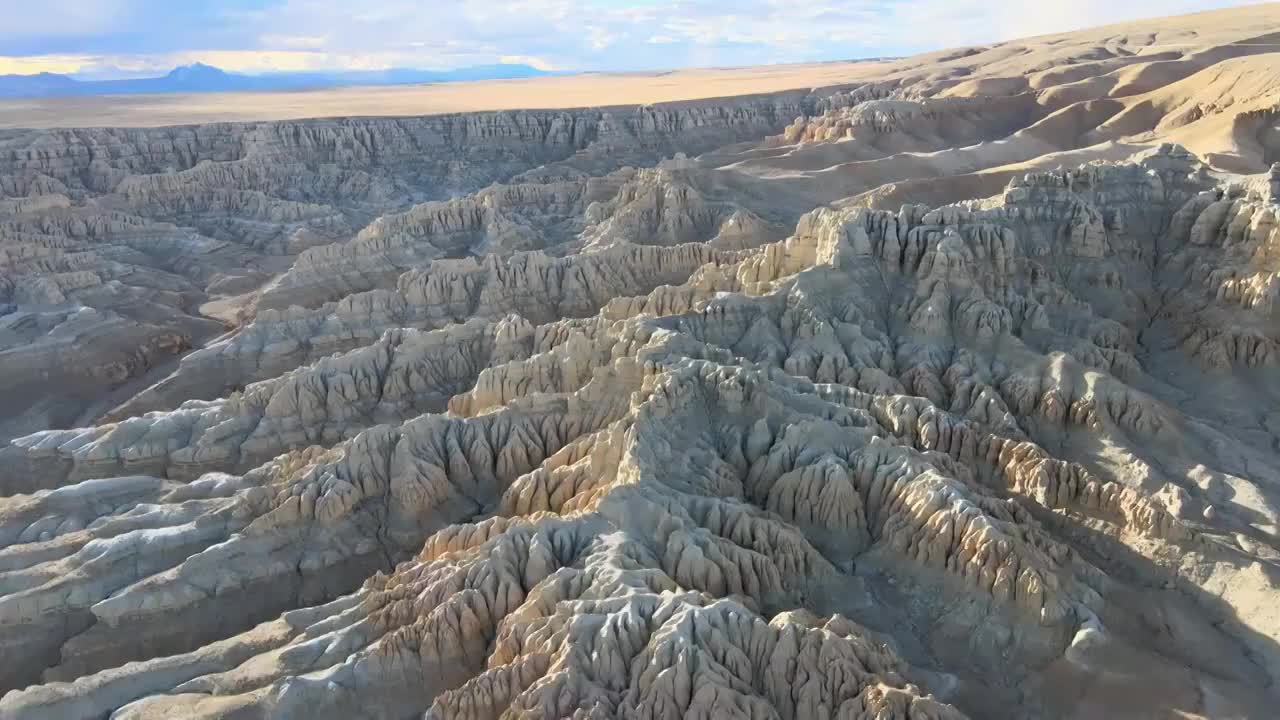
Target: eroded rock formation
<point>616,438</point>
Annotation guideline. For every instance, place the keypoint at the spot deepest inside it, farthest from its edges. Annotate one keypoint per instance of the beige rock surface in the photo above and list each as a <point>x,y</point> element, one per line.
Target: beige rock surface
<point>947,391</point>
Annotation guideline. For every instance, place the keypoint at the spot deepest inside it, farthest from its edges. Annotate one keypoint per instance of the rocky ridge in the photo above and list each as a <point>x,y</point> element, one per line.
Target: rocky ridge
<point>146,227</point>
<point>838,446</point>
<point>627,437</point>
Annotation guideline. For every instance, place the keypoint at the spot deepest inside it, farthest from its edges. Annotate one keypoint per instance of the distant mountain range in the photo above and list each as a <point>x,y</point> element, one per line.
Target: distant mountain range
<point>201,78</point>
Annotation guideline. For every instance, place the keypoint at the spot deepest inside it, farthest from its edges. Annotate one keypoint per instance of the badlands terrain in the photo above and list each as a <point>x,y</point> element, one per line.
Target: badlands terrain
<point>928,388</point>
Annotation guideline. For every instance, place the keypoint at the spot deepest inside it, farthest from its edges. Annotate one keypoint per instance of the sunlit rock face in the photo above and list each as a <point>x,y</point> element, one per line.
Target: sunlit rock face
<point>637,413</point>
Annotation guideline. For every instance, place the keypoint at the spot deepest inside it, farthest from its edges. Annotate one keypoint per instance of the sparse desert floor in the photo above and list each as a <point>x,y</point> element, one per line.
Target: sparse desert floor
<point>938,387</point>
<point>569,91</point>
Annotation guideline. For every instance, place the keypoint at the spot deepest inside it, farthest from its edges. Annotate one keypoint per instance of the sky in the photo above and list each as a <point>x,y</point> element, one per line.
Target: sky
<point>126,38</point>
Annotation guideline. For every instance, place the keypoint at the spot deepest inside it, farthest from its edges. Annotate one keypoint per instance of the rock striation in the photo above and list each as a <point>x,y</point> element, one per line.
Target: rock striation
<point>159,229</point>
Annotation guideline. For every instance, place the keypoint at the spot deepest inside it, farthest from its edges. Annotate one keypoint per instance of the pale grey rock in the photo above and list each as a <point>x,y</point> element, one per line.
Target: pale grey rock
<point>153,223</point>
<point>547,415</point>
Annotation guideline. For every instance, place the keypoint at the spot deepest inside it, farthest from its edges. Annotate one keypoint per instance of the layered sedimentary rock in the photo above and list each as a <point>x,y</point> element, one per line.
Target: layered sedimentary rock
<point>158,230</point>
<point>720,483</point>
<point>619,431</point>
<point>534,285</point>
<point>662,207</point>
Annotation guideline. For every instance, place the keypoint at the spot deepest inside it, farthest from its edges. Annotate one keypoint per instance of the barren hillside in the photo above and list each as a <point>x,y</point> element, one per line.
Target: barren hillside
<point>938,387</point>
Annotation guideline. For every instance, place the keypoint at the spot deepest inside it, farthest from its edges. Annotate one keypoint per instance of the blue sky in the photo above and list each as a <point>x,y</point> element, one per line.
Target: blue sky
<point>107,38</point>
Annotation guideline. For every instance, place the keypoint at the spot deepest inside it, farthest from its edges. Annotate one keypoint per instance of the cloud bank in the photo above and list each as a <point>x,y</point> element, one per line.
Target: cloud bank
<point>123,37</point>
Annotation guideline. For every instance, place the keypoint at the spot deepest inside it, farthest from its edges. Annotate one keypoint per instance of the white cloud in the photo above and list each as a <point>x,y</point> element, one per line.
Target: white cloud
<point>309,42</point>
<point>602,38</point>
<point>565,34</point>
<point>44,63</point>
<point>531,61</point>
